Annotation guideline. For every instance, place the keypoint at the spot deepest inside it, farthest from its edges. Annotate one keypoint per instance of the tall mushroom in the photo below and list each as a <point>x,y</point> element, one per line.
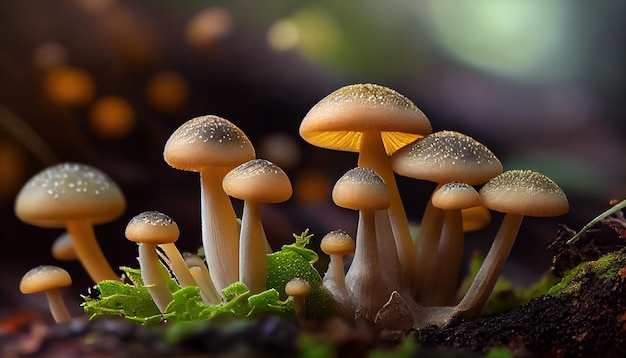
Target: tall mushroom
<point>149,229</point>
<point>367,281</point>
<point>256,181</point>
<point>49,279</point>
<point>212,146</point>
<point>74,196</point>
<point>441,157</point>
<point>375,121</point>
<point>517,193</point>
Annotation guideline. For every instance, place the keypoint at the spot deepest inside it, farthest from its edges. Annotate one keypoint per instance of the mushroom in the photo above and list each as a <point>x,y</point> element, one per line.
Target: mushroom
<point>201,275</point>
<point>63,248</point>
<point>212,146</point>
<point>74,196</point>
<point>298,288</point>
<point>475,218</point>
<point>517,193</point>
<point>256,181</point>
<point>441,157</point>
<point>149,229</point>
<point>49,279</point>
<point>367,281</point>
<point>452,198</point>
<point>375,121</point>
<point>337,244</point>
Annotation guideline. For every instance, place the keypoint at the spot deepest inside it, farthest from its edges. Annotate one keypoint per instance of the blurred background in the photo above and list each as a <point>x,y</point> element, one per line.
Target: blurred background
<point>105,82</point>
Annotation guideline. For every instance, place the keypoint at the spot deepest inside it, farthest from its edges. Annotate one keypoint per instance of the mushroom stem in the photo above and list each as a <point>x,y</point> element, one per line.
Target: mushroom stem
<point>154,276</point>
<point>220,231</point>
<point>445,276</point>
<point>335,278</point>
<point>57,306</point>
<point>427,246</point>
<point>201,275</point>
<point>373,155</point>
<point>177,265</point>
<point>365,279</point>
<point>88,251</point>
<point>480,289</point>
<point>252,252</point>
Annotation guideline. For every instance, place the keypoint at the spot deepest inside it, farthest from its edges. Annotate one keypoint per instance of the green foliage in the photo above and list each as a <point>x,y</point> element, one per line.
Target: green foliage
<point>133,301</point>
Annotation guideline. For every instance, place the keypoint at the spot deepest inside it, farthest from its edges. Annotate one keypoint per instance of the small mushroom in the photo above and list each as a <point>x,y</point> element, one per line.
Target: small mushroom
<point>201,275</point>
<point>212,146</point>
<point>441,157</point>
<point>375,121</point>
<point>74,196</point>
<point>149,229</point>
<point>517,193</point>
<point>63,248</point>
<point>256,181</point>
<point>367,281</point>
<point>337,244</point>
<point>49,279</point>
<point>452,198</point>
<point>298,288</point>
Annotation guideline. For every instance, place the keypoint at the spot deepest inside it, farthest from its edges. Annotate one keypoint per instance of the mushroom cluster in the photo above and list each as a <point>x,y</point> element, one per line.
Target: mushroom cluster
<point>394,282</point>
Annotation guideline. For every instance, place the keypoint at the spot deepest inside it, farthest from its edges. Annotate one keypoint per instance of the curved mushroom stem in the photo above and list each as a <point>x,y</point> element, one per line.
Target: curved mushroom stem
<point>201,275</point>
<point>88,251</point>
<point>480,289</point>
<point>365,279</point>
<point>427,246</point>
<point>220,231</point>
<point>57,306</point>
<point>252,251</point>
<point>446,274</point>
<point>335,281</point>
<point>373,155</point>
<point>154,276</point>
<point>177,265</point>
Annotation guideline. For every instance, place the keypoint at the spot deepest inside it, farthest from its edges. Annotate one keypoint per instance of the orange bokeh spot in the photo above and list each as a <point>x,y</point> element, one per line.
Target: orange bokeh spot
<point>111,117</point>
<point>167,92</point>
<point>68,86</point>
<point>12,168</point>
<point>311,187</point>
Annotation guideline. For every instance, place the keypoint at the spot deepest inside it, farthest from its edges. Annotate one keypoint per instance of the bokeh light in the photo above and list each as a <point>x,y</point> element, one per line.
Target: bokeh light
<point>208,26</point>
<point>111,117</point>
<point>167,92</point>
<point>68,86</point>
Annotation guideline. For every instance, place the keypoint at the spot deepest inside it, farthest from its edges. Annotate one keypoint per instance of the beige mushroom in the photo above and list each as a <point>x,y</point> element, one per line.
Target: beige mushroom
<point>49,279</point>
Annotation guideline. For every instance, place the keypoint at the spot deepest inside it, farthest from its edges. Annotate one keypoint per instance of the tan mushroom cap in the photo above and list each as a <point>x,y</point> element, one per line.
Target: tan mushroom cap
<point>152,227</point>
<point>337,242</point>
<point>258,180</point>
<point>298,287</point>
<point>339,119</point>
<point>63,248</point>
<point>524,192</point>
<point>455,195</point>
<point>207,141</point>
<point>69,191</point>
<point>447,156</point>
<point>475,218</point>
<point>43,278</point>
<point>361,189</point>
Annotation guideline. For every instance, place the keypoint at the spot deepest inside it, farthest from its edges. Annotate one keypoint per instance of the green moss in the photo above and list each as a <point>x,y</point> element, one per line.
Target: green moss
<point>605,267</point>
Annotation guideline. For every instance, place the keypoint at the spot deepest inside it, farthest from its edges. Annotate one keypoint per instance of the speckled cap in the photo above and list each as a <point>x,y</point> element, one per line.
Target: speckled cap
<point>69,191</point>
<point>43,278</point>
<point>524,192</point>
<point>338,120</point>
<point>451,196</point>
<point>152,227</point>
<point>207,141</point>
<point>361,189</point>
<point>258,180</point>
<point>447,156</point>
<point>337,242</point>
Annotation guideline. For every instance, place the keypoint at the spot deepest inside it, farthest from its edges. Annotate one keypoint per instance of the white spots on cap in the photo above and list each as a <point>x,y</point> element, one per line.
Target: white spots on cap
<point>71,178</point>
<point>371,95</point>
<point>154,218</point>
<point>450,148</point>
<point>212,129</point>
<point>362,176</point>
<point>254,167</point>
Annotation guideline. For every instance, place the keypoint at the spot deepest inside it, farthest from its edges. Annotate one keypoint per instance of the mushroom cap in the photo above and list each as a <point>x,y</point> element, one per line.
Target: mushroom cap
<point>475,218</point>
<point>207,141</point>
<point>298,287</point>
<point>258,180</point>
<point>152,227</point>
<point>337,242</point>
<point>339,119</point>
<point>524,192</point>
<point>455,195</point>
<point>361,189</point>
<point>63,248</point>
<point>447,156</point>
<point>43,278</point>
<point>69,191</point>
